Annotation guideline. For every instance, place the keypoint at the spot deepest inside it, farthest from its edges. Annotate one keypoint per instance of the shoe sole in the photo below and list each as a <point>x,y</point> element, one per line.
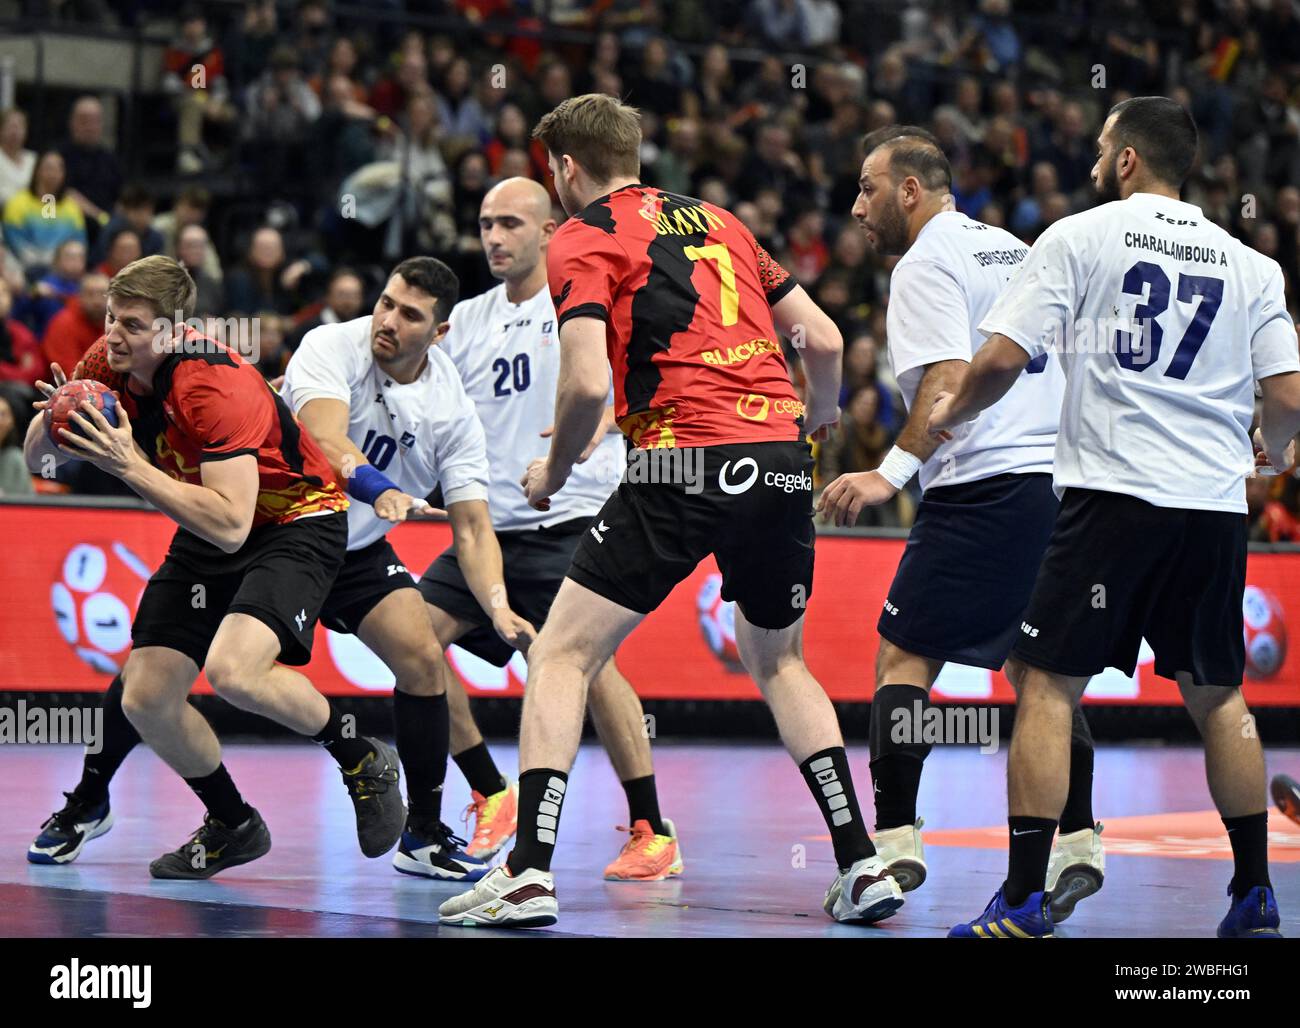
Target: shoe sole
<point>908,873</point>
<point>543,919</point>
<point>418,869</point>
<point>197,876</point>
<point>878,911</point>
<point>1077,882</point>
<point>48,859</point>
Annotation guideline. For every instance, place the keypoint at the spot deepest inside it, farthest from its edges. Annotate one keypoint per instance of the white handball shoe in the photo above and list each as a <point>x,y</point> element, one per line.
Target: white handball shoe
<point>864,894</point>
<point>903,852</point>
<point>502,900</point>
<point>1075,871</point>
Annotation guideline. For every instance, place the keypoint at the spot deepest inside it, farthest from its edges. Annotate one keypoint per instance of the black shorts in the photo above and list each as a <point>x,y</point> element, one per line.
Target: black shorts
<point>749,504</point>
<point>534,562</point>
<point>367,576</point>
<point>969,568</point>
<point>1119,569</point>
<point>281,576</point>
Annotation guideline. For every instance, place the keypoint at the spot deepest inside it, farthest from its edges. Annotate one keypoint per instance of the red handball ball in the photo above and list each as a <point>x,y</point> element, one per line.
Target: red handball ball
<point>68,399</point>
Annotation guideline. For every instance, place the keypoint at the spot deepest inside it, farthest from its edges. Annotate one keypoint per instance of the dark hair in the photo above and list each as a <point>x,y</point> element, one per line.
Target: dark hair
<point>135,195</point>
<point>195,196</point>
<point>36,172</point>
<point>118,233</point>
<point>431,276</point>
<point>19,397</point>
<point>1162,133</point>
<point>912,151</point>
<point>346,272</point>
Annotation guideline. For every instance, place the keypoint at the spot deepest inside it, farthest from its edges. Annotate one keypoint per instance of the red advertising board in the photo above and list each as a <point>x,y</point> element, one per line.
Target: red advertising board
<point>71,578</point>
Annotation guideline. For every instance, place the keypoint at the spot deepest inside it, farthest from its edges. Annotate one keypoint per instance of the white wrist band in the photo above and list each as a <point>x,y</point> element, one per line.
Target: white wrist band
<point>898,467</point>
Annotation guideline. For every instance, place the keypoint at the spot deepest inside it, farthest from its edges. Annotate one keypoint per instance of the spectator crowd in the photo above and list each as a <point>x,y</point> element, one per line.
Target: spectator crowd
<point>335,141</point>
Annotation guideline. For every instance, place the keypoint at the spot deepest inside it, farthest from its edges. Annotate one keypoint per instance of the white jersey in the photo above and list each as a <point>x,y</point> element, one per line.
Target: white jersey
<point>938,295</point>
<point>1162,415</point>
<point>419,434</point>
<point>508,356</point>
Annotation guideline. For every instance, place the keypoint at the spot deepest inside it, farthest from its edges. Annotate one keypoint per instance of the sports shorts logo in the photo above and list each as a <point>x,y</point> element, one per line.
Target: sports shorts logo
<point>735,486</point>
<point>396,569</point>
<point>1029,629</point>
<point>752,407</point>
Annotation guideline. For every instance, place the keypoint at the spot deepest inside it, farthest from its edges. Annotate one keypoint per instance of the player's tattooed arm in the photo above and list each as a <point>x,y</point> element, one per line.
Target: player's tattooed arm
<point>997,365</point>
<point>479,556</point>
<point>842,501</point>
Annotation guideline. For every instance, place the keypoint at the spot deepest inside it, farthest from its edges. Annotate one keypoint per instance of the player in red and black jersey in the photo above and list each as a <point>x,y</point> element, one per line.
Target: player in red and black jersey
<point>675,296</point>
<point>263,528</point>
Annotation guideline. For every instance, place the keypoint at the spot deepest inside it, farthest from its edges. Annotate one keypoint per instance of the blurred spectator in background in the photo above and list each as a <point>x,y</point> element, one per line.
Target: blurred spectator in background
<point>40,217</point>
<point>860,445</point>
<point>79,324</point>
<point>55,288</point>
<point>267,280</point>
<point>94,176</point>
<point>20,356</point>
<point>281,109</point>
<point>191,208</point>
<point>15,479</point>
<point>16,162</point>
<point>195,251</point>
<point>271,354</point>
<point>135,211</point>
<point>194,75</point>
<point>123,248</point>
<point>345,296</point>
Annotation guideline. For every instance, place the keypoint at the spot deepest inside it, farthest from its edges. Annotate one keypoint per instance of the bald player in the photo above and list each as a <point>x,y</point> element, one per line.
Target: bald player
<point>506,347</point>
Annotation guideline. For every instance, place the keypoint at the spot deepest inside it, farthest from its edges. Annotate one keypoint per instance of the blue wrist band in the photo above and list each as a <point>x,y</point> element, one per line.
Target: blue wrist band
<point>367,484</point>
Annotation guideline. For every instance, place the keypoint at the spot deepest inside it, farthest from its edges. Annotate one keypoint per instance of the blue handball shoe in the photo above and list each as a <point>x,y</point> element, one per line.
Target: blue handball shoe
<point>1254,916</point>
<point>1031,920</point>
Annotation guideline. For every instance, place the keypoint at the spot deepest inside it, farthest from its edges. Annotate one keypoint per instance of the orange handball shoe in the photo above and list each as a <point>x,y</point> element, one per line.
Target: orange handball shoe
<point>495,819</point>
<point>647,857</point>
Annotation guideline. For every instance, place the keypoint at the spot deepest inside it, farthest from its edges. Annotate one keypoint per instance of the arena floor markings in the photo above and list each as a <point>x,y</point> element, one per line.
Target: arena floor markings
<point>756,864</point>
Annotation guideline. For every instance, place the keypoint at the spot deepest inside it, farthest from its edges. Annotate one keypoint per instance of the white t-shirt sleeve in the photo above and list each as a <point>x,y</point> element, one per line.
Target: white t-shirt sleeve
<point>462,453</point>
<point>1042,296</point>
<point>322,368</point>
<point>1274,349</point>
<point>927,320</point>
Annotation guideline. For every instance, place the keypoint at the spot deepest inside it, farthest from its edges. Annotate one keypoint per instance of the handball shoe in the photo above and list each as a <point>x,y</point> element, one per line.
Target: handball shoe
<point>1254,916</point>
<point>428,848</point>
<point>66,831</point>
<point>864,894</point>
<point>213,848</point>
<point>503,900</point>
<point>647,857</point>
<point>1031,920</point>
<point>373,786</point>
<point>495,820</point>
<point>1076,870</point>
<point>903,853</point>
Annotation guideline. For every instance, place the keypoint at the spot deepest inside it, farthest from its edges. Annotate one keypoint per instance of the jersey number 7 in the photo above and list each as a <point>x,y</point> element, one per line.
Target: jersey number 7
<point>1147,352</point>
<point>726,271</point>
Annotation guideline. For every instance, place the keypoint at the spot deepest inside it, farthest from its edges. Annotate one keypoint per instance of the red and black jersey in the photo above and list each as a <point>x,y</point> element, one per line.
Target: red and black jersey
<point>210,404</point>
<point>686,293</point>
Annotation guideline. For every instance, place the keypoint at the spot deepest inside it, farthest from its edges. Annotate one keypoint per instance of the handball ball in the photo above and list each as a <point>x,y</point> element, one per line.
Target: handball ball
<point>718,621</point>
<point>1265,632</point>
<point>69,397</point>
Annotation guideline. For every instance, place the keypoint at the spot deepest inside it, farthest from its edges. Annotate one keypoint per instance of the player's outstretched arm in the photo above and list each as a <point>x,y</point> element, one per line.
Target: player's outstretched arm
<point>821,346</point>
<point>479,556</point>
<point>1279,418</point>
<point>997,365</point>
<point>843,500</point>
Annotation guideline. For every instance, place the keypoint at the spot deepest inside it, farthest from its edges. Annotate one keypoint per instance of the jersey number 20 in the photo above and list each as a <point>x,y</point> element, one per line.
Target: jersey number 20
<point>515,372</point>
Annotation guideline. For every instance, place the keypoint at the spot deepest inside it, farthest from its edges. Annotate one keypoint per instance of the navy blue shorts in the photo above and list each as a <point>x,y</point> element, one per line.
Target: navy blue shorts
<point>969,568</point>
